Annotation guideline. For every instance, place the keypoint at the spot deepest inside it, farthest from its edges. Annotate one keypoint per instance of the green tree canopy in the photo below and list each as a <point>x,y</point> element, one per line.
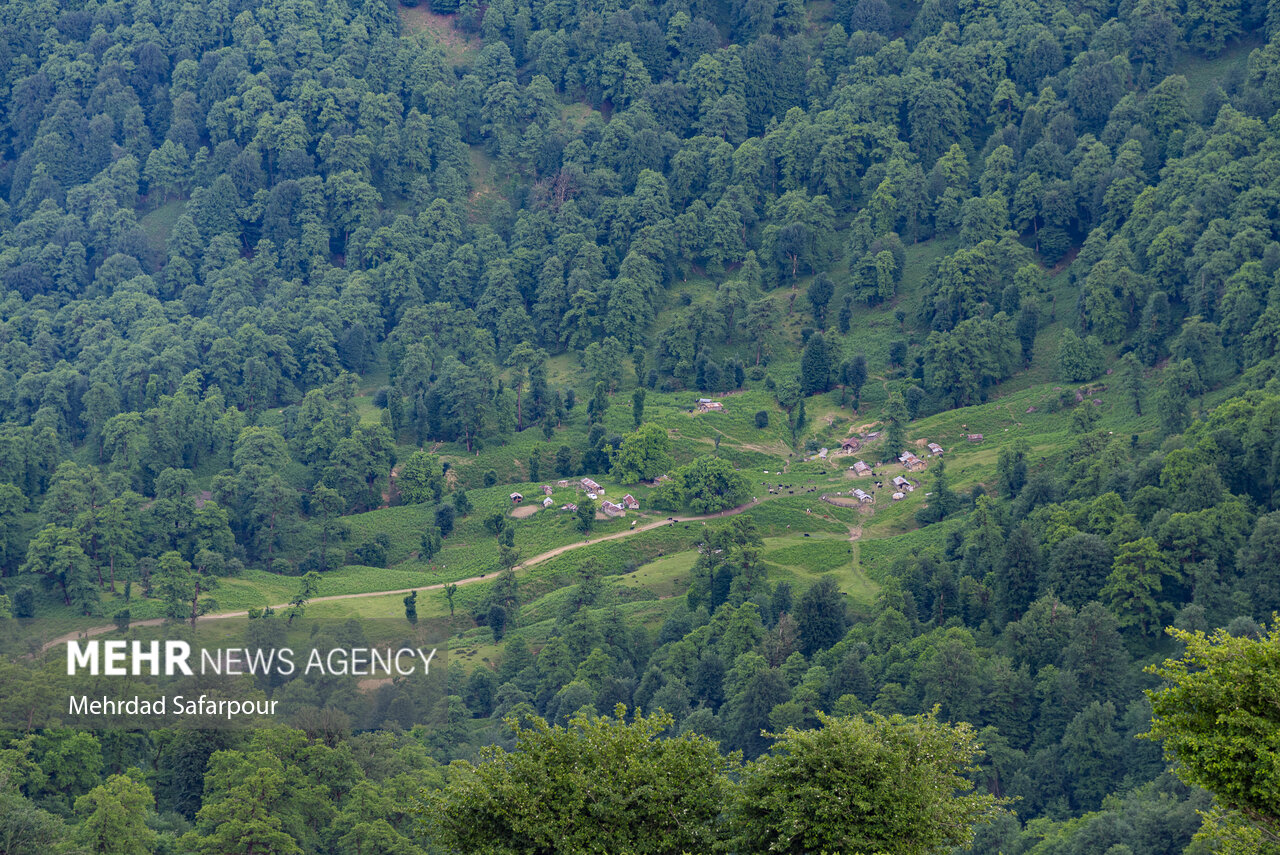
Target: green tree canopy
<point>873,784</point>
<point>642,456</point>
<point>599,784</point>
<point>1218,717</point>
<point>706,485</point>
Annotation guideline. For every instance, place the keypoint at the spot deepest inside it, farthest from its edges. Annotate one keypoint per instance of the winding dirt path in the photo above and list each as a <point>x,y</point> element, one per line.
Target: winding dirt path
<point>529,562</point>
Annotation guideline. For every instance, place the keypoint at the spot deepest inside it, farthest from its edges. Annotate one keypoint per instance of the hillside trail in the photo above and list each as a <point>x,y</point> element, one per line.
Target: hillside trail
<point>529,562</point>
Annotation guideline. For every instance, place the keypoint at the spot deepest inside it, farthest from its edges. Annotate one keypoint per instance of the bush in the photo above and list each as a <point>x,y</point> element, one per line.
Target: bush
<point>24,603</point>
<point>762,419</point>
<point>374,553</point>
<point>430,544</point>
<point>444,519</point>
<point>497,619</point>
<point>1054,244</point>
<point>461,502</point>
<point>1079,359</point>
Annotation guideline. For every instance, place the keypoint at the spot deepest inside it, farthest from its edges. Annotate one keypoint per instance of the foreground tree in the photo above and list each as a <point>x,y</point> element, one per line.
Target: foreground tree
<point>1219,720</point>
<point>871,784</point>
<point>600,784</point>
<point>115,815</point>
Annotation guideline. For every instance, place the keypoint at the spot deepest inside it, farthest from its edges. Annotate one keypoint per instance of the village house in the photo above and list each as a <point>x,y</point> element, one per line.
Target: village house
<point>903,484</point>
<point>546,489</point>
<point>612,510</point>
<point>629,502</point>
<point>591,486</point>
<point>974,437</point>
<point>517,498</point>
<point>706,405</point>
<point>861,468</point>
<point>935,449</point>
<point>910,462</point>
<point>568,506</point>
<point>863,496</point>
<point>850,445</point>
<point>563,483</point>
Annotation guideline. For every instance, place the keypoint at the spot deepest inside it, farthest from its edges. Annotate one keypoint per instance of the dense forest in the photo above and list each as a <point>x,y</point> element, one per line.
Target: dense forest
<point>274,273</point>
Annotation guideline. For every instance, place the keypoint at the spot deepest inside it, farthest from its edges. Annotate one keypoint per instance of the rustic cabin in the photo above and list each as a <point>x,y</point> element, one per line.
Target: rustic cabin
<point>911,462</point>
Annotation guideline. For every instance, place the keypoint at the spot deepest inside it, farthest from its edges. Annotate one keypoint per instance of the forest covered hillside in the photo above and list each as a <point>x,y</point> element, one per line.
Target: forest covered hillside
<point>329,303</point>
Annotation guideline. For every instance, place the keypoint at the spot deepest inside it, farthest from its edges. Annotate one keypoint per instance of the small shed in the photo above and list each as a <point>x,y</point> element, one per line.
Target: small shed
<point>563,483</point>
<point>974,437</point>
<point>591,486</point>
<point>898,497</point>
<point>903,484</point>
<point>568,506</point>
<point>629,502</point>
<point>850,445</point>
<point>863,496</point>
<point>861,468</point>
<point>546,489</point>
<point>517,498</point>
<point>612,510</point>
<point>592,496</point>
<point>706,405</point>
<point>548,502</point>
<point>934,448</point>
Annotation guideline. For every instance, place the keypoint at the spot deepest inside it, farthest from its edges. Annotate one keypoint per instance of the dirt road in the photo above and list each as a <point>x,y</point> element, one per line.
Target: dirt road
<point>529,562</point>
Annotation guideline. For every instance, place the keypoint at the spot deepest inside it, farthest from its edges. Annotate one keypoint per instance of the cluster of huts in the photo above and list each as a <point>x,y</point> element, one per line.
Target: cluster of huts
<point>593,491</point>
<point>908,459</point>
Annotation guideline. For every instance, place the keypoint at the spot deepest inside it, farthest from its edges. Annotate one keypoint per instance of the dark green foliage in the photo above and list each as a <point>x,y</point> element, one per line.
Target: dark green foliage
<point>853,375</point>
<point>762,419</point>
<point>815,366</point>
<point>820,616</point>
<point>444,519</point>
<point>497,620</point>
<point>374,553</point>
